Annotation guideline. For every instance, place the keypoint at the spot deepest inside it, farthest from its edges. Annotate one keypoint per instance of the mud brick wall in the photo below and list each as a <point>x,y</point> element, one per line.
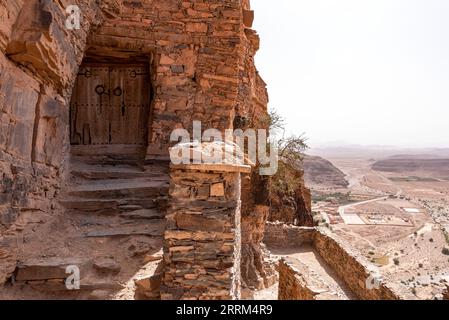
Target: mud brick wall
<point>203,237</point>
<point>278,235</point>
<point>297,282</point>
<point>354,269</point>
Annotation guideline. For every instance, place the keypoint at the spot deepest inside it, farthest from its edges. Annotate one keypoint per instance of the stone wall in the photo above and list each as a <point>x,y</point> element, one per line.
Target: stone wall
<point>280,235</point>
<point>349,265</point>
<point>298,282</point>
<point>201,57</point>
<point>203,237</point>
<point>354,269</point>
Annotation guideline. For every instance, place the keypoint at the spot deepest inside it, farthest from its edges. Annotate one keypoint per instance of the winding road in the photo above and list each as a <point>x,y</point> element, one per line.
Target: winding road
<point>353,218</point>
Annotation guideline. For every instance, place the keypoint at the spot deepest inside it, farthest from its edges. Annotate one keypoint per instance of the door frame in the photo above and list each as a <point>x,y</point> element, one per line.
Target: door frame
<point>116,56</point>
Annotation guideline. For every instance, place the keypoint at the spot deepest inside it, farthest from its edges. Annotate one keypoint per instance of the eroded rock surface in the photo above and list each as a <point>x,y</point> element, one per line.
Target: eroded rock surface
<point>200,60</point>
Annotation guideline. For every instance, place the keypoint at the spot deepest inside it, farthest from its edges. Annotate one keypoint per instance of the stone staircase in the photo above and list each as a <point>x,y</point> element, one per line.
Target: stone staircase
<point>114,210</point>
<point>117,194</point>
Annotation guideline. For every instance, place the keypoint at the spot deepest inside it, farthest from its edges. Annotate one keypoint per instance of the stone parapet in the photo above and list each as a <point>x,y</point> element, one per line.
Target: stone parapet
<point>202,250</point>
<point>360,276</point>
<point>280,235</point>
<point>355,270</point>
<point>298,282</point>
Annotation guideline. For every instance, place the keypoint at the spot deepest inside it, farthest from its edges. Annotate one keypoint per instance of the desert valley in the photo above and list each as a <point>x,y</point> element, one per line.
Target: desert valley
<point>394,209</point>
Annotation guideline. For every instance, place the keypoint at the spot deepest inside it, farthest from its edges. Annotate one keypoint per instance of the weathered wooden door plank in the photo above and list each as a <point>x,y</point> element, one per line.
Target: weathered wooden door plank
<point>110,105</point>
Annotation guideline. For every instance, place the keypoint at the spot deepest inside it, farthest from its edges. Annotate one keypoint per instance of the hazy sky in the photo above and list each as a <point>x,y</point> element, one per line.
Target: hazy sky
<point>358,71</point>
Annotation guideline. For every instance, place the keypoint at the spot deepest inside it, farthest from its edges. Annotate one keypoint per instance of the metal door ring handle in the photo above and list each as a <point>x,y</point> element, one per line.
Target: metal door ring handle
<point>100,89</point>
<point>117,92</point>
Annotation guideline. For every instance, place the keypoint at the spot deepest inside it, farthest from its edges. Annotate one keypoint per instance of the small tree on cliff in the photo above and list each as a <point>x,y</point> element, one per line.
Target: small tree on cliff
<point>291,150</point>
<point>286,187</point>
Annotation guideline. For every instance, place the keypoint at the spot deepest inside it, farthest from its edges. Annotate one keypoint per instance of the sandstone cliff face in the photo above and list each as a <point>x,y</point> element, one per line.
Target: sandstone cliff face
<point>251,112</point>
<point>201,66</point>
<point>293,207</point>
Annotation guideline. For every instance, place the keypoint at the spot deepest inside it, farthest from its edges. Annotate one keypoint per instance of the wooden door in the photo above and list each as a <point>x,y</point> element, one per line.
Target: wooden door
<point>110,105</point>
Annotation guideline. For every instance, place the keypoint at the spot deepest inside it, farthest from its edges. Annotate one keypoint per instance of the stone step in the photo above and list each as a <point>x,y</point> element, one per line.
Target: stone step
<point>132,207</point>
<point>152,228</point>
<point>97,172</point>
<point>144,214</point>
<point>59,285</point>
<point>99,206</point>
<point>109,160</point>
<point>108,150</point>
<point>137,188</point>
<point>118,154</point>
<point>48,268</point>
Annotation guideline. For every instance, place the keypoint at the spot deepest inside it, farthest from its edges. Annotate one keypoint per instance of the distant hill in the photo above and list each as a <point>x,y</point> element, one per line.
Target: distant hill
<point>377,152</point>
<point>321,172</point>
<point>415,165</point>
<point>415,157</point>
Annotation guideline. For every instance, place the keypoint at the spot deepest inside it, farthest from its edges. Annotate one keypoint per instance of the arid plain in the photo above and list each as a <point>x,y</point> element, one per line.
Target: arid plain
<point>395,210</point>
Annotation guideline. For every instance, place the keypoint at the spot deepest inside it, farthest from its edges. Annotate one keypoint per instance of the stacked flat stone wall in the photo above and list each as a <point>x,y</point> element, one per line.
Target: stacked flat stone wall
<point>278,235</point>
<point>298,282</point>
<point>354,269</point>
<point>203,236</point>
